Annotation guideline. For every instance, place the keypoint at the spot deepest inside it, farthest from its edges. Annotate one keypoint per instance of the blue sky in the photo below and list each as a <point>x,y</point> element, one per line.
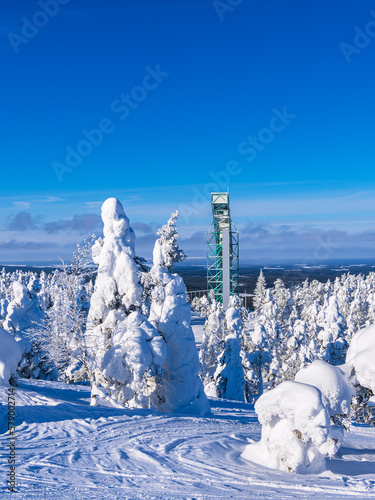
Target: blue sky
<point>179,98</point>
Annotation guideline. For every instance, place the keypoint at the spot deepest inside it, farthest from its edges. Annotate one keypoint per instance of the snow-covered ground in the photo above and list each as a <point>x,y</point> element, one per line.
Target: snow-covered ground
<point>67,449</point>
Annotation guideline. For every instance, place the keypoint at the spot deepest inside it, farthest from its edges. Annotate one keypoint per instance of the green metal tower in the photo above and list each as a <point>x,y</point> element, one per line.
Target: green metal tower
<point>222,251</point>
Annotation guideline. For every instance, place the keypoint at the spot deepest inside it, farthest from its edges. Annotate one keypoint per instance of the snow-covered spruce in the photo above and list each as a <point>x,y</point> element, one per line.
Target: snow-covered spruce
<point>360,358</point>
<point>126,350</point>
<point>360,369</point>
<point>212,344</point>
<point>296,430</point>
<point>23,313</point>
<point>10,356</point>
<point>333,345</point>
<point>117,291</point>
<point>181,389</point>
<point>256,359</point>
<point>61,336</point>
<point>229,374</point>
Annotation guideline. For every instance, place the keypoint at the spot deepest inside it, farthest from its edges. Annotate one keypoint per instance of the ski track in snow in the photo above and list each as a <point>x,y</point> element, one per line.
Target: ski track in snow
<point>67,449</point>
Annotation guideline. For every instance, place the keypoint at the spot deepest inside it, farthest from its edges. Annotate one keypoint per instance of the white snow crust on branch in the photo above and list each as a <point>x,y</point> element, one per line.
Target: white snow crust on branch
<point>296,430</point>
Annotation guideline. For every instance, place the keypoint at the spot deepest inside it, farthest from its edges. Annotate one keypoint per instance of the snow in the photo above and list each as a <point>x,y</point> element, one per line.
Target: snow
<point>67,449</point>
<point>296,431</point>
<point>332,383</point>
<point>10,355</point>
<point>361,357</point>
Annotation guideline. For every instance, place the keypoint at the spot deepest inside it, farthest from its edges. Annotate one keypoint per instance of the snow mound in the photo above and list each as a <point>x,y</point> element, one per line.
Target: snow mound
<point>331,381</point>
<point>296,433</point>
<point>10,355</point>
<point>361,357</point>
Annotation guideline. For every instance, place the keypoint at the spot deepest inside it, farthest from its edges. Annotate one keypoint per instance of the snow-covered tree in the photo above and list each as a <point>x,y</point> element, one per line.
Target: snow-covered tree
<point>333,344</point>
<point>229,374</point>
<point>62,335</point>
<point>117,290</point>
<point>172,253</point>
<point>268,314</point>
<point>10,356</point>
<point>181,389</point>
<point>201,305</point>
<point>260,292</point>
<point>256,359</point>
<point>126,350</point>
<point>23,313</point>
<point>212,343</point>
<point>297,351</point>
<point>360,369</point>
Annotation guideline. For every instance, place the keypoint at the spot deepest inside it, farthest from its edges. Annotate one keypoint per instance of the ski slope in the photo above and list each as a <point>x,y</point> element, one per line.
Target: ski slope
<point>67,449</point>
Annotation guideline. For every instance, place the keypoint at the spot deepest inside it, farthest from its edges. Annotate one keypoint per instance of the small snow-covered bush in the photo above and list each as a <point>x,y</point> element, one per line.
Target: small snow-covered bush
<point>296,430</point>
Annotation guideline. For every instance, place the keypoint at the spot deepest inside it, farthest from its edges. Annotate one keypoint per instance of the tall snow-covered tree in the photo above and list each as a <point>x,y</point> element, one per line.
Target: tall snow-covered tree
<point>117,290</point>
<point>181,389</point>
<point>172,253</point>
<point>333,344</point>
<point>260,292</point>
<point>229,374</point>
<point>119,376</point>
<point>212,343</point>
<point>256,359</point>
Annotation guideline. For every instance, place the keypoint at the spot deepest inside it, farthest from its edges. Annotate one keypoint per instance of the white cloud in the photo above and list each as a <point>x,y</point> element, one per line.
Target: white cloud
<point>22,204</point>
<point>94,204</point>
<point>50,199</point>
